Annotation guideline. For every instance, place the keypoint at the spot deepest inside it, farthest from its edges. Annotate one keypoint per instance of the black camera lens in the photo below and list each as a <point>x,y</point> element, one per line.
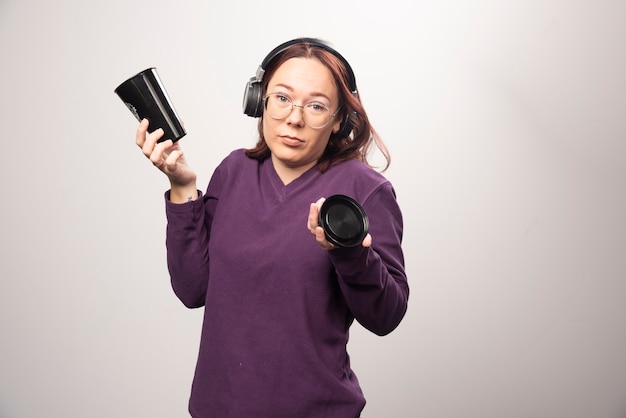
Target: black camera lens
<point>344,221</point>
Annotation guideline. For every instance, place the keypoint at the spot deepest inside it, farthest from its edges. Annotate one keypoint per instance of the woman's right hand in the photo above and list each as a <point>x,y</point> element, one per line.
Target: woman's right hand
<point>168,157</point>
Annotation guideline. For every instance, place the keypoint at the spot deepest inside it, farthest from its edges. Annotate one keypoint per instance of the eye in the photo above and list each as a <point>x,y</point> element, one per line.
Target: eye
<point>282,98</point>
<point>316,107</point>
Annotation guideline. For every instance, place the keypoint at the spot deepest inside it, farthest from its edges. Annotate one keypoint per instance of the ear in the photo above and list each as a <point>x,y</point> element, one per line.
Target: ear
<point>337,126</point>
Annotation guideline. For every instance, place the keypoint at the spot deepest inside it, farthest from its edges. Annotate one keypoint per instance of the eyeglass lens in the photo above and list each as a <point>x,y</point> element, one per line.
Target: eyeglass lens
<point>314,114</point>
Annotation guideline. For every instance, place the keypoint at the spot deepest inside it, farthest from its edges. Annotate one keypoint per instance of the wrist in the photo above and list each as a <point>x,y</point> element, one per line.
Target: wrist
<point>183,194</point>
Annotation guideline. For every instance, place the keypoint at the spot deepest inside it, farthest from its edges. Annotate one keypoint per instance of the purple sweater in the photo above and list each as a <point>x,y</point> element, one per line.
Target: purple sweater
<point>277,308</point>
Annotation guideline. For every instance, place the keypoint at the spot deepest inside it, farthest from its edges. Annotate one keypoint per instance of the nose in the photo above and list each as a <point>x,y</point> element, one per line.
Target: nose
<point>296,116</point>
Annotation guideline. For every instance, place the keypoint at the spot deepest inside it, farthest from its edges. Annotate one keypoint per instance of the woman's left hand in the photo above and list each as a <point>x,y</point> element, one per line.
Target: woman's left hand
<point>317,231</point>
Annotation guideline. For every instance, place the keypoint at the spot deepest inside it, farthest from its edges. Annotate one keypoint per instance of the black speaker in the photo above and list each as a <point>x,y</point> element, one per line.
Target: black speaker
<point>253,94</point>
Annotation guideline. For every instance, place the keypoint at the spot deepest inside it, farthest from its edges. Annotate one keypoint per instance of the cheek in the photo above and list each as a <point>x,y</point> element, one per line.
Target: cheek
<point>266,127</point>
<point>322,140</point>
<point>269,125</point>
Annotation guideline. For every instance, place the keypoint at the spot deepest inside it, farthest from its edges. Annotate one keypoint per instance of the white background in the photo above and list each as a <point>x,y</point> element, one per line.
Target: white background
<point>507,127</point>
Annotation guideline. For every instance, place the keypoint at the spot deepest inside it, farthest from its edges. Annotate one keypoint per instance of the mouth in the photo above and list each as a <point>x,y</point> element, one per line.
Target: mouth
<point>291,140</point>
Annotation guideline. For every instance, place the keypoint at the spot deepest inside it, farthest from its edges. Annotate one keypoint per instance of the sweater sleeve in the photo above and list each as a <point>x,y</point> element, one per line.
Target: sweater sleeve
<point>373,280</point>
<point>187,243</point>
<point>187,250</point>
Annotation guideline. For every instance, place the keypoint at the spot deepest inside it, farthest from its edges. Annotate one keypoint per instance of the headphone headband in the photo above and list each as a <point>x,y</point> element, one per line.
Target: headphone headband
<point>312,41</point>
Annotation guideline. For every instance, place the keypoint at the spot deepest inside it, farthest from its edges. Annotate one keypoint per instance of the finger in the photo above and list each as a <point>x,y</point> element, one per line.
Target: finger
<point>172,159</point>
<point>160,154</point>
<point>312,221</point>
<point>140,135</point>
<point>320,237</point>
<point>151,142</point>
<point>367,241</point>
<point>320,202</point>
<point>314,214</point>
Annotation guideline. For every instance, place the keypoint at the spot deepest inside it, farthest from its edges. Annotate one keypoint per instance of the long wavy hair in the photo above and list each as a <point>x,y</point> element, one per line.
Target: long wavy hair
<point>343,145</point>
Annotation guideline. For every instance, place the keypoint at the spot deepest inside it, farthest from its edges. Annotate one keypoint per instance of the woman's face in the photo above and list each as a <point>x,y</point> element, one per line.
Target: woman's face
<point>295,146</point>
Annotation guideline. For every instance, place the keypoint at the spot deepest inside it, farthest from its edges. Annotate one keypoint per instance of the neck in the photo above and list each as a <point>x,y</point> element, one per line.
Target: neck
<point>287,174</point>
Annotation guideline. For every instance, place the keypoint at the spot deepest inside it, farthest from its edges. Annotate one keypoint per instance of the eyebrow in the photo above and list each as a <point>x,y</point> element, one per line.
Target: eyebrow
<point>313,94</point>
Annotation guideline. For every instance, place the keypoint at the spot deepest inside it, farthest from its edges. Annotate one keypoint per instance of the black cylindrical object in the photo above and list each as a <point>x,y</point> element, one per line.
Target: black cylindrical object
<point>146,97</point>
<point>344,221</point>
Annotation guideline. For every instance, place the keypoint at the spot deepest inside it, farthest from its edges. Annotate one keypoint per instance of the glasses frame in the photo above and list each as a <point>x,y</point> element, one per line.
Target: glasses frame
<point>293,105</point>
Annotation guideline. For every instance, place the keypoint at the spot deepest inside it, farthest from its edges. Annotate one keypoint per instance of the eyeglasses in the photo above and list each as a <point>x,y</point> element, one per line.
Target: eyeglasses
<point>315,114</point>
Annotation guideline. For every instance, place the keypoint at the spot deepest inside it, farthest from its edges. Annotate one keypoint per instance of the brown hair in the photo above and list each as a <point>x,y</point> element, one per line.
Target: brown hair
<point>342,146</point>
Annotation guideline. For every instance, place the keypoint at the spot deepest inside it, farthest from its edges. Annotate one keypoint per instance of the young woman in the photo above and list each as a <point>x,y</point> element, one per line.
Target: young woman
<point>278,297</point>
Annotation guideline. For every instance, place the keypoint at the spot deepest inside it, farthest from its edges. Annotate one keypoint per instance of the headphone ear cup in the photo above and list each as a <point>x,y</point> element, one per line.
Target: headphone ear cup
<point>345,129</point>
<point>253,99</point>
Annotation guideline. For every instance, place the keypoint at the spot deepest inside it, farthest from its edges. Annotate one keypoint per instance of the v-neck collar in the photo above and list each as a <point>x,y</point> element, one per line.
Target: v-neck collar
<point>282,189</point>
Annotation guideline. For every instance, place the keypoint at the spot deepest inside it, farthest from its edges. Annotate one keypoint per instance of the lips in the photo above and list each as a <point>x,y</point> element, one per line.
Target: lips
<point>291,140</point>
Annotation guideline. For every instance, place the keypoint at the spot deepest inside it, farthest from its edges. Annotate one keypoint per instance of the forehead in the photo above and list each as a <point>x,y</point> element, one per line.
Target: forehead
<point>306,76</point>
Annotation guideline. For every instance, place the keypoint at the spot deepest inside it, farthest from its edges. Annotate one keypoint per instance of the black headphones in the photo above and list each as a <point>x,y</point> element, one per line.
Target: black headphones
<point>253,94</point>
